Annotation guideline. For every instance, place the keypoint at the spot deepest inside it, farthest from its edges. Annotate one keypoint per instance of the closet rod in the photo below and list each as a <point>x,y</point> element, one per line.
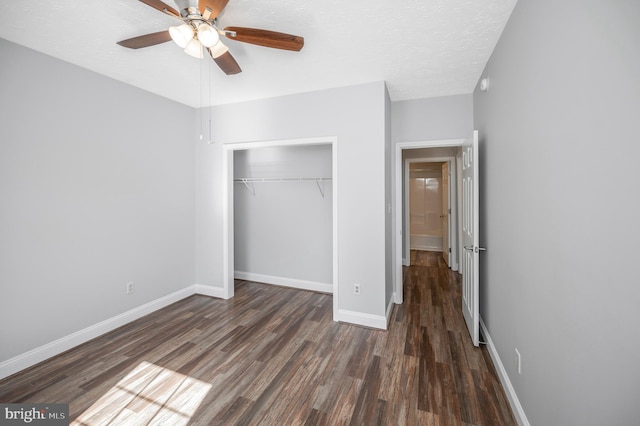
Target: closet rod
<point>247,181</point>
<point>300,179</point>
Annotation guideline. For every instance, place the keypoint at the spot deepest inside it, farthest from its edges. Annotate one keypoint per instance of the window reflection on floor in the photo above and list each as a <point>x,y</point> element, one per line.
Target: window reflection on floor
<point>148,395</point>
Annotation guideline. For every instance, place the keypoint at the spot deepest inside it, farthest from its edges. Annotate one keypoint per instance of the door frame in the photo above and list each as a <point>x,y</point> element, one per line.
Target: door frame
<point>453,205</point>
<point>228,211</point>
<point>398,210</point>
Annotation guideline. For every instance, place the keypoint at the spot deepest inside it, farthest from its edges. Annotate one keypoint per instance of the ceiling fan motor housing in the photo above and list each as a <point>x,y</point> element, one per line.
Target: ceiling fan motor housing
<point>187,7</point>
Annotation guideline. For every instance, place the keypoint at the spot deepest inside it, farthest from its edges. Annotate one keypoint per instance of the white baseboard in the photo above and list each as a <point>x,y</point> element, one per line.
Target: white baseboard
<point>207,290</point>
<point>287,282</point>
<point>425,247</point>
<point>518,411</point>
<point>425,242</point>
<point>360,318</point>
<point>34,356</point>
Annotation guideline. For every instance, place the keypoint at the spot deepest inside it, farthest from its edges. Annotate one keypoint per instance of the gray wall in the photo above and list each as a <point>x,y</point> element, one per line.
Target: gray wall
<point>284,229</point>
<point>447,117</point>
<point>96,190</point>
<point>560,208</point>
<point>356,116</point>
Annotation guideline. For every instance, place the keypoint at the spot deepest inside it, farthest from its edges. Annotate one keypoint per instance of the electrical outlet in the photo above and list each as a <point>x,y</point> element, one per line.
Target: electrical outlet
<point>131,287</point>
<point>356,289</point>
<point>518,362</point>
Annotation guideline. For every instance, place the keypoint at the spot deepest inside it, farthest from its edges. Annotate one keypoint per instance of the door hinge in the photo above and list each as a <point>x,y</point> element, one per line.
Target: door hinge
<point>449,211</point>
<point>449,249</point>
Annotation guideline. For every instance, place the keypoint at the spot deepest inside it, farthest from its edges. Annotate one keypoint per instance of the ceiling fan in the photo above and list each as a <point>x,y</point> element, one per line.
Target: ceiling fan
<point>199,30</point>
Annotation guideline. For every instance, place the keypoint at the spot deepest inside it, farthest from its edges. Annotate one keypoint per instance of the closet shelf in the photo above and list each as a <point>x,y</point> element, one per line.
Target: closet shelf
<point>299,179</point>
<point>318,180</point>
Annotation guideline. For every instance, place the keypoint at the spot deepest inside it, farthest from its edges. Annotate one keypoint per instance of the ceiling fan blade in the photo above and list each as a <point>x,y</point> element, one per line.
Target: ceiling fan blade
<point>146,40</point>
<point>161,6</point>
<point>226,62</point>
<point>216,6</point>
<point>266,38</point>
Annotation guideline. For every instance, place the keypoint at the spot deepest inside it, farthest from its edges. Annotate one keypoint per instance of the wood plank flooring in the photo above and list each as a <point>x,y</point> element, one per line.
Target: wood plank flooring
<point>273,355</point>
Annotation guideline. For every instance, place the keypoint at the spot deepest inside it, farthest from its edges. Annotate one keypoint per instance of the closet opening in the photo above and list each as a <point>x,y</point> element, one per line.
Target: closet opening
<point>280,214</point>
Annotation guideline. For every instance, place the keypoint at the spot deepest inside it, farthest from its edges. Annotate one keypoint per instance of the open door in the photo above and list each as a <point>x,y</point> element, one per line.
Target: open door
<point>470,237</point>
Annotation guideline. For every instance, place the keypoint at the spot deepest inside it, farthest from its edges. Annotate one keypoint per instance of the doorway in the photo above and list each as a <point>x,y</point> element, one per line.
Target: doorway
<point>228,266</point>
<point>425,198</point>
<point>434,227</point>
<point>438,150</point>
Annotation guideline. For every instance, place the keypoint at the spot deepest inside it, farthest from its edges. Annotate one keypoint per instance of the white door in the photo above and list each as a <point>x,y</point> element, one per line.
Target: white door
<point>470,237</point>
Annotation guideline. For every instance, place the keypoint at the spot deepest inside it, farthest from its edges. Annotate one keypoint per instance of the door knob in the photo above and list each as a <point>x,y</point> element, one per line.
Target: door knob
<point>475,249</point>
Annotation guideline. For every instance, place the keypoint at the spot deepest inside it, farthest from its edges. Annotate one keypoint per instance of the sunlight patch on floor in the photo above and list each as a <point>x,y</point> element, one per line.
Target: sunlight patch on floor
<point>148,395</point>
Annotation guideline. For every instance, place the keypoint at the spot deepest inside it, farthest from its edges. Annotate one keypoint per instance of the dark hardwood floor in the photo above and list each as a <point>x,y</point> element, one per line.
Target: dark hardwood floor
<point>273,355</point>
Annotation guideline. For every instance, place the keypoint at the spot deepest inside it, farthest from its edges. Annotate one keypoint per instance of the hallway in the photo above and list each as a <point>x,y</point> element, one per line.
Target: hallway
<point>455,380</point>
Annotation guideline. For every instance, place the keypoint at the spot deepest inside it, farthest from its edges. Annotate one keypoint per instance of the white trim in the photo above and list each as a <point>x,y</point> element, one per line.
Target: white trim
<point>48,350</point>
<point>360,318</point>
<point>227,223</point>
<point>518,411</point>
<point>208,290</point>
<point>284,281</point>
<point>459,204</point>
<point>406,231</point>
<point>334,171</point>
<point>227,206</point>
<point>390,309</point>
<point>397,212</point>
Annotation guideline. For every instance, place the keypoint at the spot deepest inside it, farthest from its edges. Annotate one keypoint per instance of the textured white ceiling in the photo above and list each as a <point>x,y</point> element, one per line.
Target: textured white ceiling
<point>421,48</point>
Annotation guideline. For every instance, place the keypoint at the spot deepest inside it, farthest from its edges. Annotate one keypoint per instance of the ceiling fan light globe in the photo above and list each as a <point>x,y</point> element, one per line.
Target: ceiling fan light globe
<point>218,50</point>
<point>194,48</point>
<point>181,34</point>
<point>207,35</point>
